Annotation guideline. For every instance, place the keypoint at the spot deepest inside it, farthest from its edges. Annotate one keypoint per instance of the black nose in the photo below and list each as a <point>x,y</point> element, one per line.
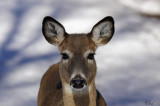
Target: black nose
<point>78,82</point>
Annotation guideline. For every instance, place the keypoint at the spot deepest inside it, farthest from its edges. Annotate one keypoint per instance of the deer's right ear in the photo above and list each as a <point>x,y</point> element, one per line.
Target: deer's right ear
<point>53,31</point>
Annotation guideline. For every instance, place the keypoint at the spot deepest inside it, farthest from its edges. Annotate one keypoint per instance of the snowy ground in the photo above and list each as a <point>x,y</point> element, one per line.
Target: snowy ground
<point>128,67</point>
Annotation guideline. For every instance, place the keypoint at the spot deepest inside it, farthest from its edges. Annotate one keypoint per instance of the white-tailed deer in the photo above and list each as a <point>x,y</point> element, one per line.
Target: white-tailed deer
<point>71,82</point>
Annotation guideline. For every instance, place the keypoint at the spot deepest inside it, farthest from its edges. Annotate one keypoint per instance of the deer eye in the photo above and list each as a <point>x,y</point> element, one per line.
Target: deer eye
<point>91,56</point>
<point>64,56</point>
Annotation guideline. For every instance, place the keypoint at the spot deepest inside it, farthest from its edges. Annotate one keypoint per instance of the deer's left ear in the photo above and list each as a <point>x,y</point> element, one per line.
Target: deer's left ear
<point>103,31</point>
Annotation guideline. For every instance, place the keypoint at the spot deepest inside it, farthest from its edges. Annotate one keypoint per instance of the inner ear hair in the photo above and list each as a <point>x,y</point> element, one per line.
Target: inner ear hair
<point>103,31</point>
<point>53,31</point>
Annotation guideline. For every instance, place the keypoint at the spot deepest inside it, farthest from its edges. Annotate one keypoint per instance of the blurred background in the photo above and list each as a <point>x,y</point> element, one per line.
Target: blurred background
<point>128,67</point>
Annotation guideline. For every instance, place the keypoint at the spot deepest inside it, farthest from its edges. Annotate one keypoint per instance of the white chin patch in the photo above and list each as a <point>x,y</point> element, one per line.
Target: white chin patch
<point>68,89</point>
<point>65,61</point>
<point>82,90</point>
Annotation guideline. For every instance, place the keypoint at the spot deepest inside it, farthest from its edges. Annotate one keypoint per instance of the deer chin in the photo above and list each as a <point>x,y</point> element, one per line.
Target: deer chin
<point>83,90</point>
<point>80,88</point>
<point>71,90</point>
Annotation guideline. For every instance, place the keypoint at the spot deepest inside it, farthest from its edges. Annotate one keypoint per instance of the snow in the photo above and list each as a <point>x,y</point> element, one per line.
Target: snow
<point>150,7</point>
<point>128,66</point>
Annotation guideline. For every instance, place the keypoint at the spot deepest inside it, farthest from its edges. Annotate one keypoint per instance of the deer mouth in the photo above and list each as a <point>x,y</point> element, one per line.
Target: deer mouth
<point>78,83</point>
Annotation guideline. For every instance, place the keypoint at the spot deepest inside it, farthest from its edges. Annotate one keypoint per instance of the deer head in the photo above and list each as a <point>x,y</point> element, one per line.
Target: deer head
<point>77,67</point>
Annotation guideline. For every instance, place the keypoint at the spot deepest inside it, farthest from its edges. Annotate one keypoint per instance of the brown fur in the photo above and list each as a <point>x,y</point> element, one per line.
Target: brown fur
<point>77,44</point>
<point>48,90</point>
<point>49,95</point>
<point>77,61</point>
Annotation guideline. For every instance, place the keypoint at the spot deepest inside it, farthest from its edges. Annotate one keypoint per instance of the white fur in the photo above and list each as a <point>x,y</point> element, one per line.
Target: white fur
<point>87,53</point>
<point>68,88</point>
<point>80,91</point>
<point>68,53</point>
<point>78,72</point>
<point>101,31</point>
<point>58,29</point>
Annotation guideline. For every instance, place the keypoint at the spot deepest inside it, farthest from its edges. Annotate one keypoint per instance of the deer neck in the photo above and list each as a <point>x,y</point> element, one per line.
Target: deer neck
<point>84,98</point>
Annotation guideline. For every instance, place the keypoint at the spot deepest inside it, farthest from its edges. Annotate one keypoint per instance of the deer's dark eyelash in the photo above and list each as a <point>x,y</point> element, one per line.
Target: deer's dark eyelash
<point>65,56</point>
<point>90,56</point>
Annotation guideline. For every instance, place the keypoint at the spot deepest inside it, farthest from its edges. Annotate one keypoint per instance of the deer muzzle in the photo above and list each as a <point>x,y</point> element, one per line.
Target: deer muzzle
<point>78,82</point>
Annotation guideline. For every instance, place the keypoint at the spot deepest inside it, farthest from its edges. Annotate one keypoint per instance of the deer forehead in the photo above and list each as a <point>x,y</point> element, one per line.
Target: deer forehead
<point>77,44</point>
